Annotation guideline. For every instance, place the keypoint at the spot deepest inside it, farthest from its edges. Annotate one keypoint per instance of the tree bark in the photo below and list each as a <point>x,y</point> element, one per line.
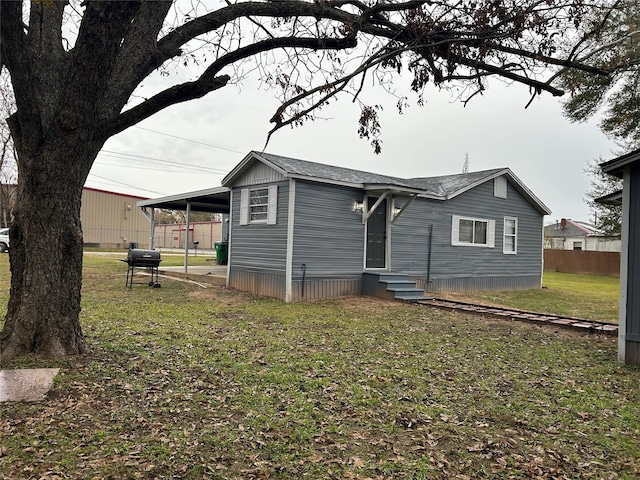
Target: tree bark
<point>61,97</point>
<point>46,250</point>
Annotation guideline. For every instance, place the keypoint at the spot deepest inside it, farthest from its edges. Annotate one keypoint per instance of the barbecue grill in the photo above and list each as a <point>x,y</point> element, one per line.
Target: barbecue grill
<point>147,259</point>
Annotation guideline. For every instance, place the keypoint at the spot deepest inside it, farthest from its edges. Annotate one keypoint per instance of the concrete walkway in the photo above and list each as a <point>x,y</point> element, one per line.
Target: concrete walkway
<point>213,274</point>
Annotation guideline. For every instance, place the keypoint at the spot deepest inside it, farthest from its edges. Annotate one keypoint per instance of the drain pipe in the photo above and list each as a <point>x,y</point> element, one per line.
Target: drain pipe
<point>429,259</point>
<point>304,277</point>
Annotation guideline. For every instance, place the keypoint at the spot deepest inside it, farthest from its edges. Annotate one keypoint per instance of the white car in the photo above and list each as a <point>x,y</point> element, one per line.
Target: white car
<point>4,239</point>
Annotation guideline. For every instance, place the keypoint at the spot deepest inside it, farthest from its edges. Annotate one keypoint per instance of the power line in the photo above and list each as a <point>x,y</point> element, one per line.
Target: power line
<point>125,184</point>
<point>189,140</point>
<point>152,160</point>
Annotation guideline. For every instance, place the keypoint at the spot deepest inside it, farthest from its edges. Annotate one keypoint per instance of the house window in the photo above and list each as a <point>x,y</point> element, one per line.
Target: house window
<point>510,238</point>
<point>259,205</point>
<point>475,232</point>
<point>500,187</point>
<point>577,245</point>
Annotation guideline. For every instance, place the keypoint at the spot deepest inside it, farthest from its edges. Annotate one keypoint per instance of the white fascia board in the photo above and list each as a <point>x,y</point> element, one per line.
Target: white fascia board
<point>245,162</point>
<point>181,196</point>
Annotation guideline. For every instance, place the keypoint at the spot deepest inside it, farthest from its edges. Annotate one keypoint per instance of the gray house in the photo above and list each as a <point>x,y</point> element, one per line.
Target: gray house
<point>301,230</point>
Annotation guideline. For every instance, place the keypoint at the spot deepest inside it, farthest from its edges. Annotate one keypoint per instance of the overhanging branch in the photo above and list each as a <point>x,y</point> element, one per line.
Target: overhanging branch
<point>531,82</point>
<point>547,60</point>
<point>210,81</point>
<point>171,96</point>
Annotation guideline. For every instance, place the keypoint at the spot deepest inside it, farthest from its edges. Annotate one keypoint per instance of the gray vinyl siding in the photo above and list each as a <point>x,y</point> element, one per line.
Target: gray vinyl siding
<point>259,173</point>
<point>258,283</point>
<point>325,288</point>
<point>469,267</point>
<point>328,235</point>
<point>260,247</point>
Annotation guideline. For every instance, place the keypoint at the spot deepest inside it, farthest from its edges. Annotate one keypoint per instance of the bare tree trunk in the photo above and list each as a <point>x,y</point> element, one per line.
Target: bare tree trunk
<point>46,250</point>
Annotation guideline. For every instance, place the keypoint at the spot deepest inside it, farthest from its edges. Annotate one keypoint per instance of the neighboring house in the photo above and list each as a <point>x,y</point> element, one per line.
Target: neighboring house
<point>627,167</point>
<point>302,230</point>
<point>567,234</point>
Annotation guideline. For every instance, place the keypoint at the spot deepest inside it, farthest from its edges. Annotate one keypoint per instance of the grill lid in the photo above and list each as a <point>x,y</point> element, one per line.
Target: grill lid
<point>139,257</point>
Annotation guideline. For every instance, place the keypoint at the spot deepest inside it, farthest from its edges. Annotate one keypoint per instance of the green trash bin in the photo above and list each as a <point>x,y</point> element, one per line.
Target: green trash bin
<point>222,252</point>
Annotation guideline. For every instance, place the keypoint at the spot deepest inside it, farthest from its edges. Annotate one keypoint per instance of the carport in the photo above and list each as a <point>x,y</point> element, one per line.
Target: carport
<point>212,200</point>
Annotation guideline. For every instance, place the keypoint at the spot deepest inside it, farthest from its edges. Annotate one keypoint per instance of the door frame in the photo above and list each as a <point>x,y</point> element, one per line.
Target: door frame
<point>387,240</point>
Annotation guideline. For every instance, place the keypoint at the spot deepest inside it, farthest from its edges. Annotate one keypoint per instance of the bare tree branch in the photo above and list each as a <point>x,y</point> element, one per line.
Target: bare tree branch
<point>209,81</point>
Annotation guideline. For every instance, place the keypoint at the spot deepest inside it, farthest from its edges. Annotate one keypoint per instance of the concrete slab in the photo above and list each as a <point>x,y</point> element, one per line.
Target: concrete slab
<point>214,274</point>
<point>26,385</point>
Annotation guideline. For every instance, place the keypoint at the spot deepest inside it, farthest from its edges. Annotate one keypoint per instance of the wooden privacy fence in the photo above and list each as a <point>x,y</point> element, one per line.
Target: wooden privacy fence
<point>582,261</point>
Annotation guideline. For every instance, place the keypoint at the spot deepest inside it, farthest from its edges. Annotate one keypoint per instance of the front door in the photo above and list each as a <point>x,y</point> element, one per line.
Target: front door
<point>377,236</point>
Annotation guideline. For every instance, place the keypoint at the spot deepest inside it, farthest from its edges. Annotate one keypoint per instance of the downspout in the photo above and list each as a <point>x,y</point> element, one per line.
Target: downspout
<point>429,259</point>
<point>304,277</point>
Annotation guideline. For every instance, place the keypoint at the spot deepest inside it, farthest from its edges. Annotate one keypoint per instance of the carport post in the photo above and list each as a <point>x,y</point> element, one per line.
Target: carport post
<point>152,228</point>
<point>186,238</point>
<point>152,224</point>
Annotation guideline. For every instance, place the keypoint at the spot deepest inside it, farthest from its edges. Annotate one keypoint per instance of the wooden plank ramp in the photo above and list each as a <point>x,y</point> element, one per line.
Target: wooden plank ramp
<point>590,326</point>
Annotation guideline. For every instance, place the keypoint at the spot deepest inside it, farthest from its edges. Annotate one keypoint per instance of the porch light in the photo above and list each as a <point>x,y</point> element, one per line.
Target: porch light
<point>396,211</point>
<point>358,206</point>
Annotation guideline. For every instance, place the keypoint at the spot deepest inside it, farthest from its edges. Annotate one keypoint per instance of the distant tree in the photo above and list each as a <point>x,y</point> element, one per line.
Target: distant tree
<point>178,216</point>
<point>611,41</point>
<point>608,218</point>
<point>75,87</point>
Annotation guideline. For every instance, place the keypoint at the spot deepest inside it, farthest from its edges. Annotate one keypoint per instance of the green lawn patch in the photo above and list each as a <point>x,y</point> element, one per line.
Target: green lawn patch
<point>209,383</point>
<point>593,297</point>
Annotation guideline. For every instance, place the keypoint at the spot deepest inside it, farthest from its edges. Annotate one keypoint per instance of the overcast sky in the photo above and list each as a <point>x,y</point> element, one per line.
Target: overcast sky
<point>202,140</point>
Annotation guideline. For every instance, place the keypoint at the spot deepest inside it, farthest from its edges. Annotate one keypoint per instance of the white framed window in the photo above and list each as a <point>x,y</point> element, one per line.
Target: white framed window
<point>474,232</point>
<point>259,205</point>
<point>510,236</point>
<point>500,187</point>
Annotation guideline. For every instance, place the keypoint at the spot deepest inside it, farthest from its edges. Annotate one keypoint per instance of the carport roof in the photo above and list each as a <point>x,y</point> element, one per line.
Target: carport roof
<point>212,200</point>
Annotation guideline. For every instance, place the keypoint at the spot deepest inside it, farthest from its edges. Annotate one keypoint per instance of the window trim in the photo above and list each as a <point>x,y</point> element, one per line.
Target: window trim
<point>455,232</point>
<point>265,205</point>
<point>500,187</point>
<point>271,204</point>
<point>514,235</point>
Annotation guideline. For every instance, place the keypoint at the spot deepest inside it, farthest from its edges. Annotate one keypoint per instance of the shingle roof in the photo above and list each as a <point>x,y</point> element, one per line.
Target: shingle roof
<point>571,228</point>
<point>331,172</point>
<point>439,186</point>
<point>442,187</point>
<point>449,184</point>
